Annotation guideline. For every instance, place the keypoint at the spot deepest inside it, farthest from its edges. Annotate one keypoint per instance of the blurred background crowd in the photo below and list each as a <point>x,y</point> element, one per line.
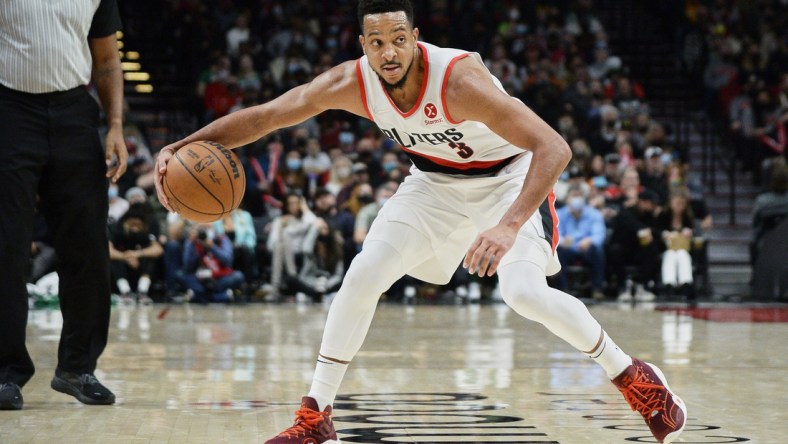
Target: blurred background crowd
<point>633,202</point>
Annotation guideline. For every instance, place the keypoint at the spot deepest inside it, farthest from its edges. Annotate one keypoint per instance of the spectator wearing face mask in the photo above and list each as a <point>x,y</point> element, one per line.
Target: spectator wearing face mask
<point>316,165</point>
<point>207,272</point>
<point>323,268</point>
<point>372,206</point>
<point>340,220</point>
<point>391,170</point>
<point>134,250</point>
<point>654,175</point>
<point>340,175</point>
<point>264,187</point>
<point>117,204</point>
<point>676,224</point>
<point>348,195</point>
<point>582,238</point>
<point>635,242</point>
<point>292,174</point>
<point>286,242</point>
<point>239,228</point>
<point>137,197</point>
<point>603,140</point>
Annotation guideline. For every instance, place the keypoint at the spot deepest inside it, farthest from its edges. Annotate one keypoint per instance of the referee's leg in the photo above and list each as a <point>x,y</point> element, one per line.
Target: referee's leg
<point>22,147</point>
<point>74,199</point>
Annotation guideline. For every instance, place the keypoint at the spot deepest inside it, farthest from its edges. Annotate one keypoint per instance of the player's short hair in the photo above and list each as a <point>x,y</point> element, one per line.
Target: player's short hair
<point>366,7</point>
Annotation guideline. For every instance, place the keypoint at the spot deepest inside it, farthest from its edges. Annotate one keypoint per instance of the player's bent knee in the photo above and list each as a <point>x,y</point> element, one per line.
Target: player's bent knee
<point>375,268</point>
<point>524,288</point>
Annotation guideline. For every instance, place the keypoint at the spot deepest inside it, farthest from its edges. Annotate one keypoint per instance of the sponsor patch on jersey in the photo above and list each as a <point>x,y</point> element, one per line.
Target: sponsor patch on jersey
<point>431,112</point>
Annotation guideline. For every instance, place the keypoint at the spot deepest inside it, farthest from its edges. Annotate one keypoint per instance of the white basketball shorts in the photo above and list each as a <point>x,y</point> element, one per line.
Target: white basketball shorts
<point>452,210</point>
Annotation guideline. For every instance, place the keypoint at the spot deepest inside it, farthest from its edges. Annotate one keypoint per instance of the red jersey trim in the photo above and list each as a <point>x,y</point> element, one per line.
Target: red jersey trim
<point>457,165</point>
<point>554,216</point>
<point>360,76</point>
<point>445,83</point>
<point>424,83</point>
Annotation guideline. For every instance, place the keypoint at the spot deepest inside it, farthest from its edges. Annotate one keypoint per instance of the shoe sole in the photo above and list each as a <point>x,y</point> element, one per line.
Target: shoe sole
<point>12,406</point>
<point>62,386</point>
<point>672,436</point>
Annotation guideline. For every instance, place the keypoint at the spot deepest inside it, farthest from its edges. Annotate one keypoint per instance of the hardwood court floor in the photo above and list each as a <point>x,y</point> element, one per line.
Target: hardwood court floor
<point>426,373</point>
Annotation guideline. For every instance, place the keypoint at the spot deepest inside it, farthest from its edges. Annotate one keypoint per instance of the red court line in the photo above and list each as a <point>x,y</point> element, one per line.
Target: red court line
<point>735,314</point>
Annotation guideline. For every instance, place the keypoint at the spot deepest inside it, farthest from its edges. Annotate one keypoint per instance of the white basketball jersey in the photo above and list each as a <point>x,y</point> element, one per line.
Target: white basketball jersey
<point>435,141</point>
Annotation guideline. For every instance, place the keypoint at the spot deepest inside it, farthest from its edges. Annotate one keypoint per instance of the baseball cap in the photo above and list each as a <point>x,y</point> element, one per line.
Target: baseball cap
<point>359,167</point>
<point>653,151</point>
<point>612,158</point>
<point>136,192</point>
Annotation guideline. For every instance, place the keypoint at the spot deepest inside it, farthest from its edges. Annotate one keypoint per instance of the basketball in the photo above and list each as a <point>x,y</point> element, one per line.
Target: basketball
<point>204,181</point>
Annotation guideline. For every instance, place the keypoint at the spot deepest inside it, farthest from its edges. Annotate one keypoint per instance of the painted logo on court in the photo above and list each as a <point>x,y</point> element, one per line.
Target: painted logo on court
<point>472,417</point>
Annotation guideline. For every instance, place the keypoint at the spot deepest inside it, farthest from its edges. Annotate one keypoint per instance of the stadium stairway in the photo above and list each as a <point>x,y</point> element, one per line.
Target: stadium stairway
<point>644,34</point>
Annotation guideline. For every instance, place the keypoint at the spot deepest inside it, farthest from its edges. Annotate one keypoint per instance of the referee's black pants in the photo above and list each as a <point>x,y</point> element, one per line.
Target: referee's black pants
<point>50,148</point>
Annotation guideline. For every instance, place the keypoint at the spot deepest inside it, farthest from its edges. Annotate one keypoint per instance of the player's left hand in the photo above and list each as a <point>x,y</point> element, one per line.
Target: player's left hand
<point>115,153</point>
<point>486,252</point>
<point>164,156</point>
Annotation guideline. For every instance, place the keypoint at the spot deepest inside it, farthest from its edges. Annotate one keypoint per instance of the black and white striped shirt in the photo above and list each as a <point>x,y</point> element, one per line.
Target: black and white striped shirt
<point>44,43</point>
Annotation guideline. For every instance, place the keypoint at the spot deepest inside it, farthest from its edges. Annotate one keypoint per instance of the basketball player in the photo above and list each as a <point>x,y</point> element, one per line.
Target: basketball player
<point>484,166</point>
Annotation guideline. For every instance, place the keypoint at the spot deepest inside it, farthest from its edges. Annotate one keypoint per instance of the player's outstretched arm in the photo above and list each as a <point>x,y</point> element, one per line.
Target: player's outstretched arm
<point>337,88</point>
<point>472,95</point>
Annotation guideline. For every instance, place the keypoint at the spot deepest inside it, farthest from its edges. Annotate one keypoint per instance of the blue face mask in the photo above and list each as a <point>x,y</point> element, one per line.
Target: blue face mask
<point>293,164</point>
<point>576,204</point>
<point>390,166</point>
<point>112,192</point>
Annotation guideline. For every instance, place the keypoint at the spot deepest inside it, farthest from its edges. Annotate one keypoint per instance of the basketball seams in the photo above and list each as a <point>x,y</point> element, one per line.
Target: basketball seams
<point>171,195</point>
<point>196,179</point>
<point>226,170</point>
<point>213,193</point>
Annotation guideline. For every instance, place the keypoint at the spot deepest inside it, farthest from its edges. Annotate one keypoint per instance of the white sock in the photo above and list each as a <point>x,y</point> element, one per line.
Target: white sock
<point>325,383</point>
<point>143,285</point>
<point>610,357</point>
<point>123,286</point>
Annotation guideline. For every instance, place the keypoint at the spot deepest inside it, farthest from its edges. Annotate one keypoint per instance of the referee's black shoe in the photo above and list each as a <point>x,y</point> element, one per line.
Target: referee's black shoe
<point>10,396</point>
<point>85,387</point>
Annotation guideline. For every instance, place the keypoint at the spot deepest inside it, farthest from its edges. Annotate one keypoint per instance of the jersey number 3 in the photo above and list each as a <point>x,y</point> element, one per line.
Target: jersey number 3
<point>463,150</point>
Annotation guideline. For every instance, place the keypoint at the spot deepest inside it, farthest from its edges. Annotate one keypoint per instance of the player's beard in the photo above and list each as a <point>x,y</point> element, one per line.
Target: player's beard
<point>400,83</point>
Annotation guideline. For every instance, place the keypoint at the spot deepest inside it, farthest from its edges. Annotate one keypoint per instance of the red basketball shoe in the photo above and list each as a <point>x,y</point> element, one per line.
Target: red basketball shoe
<point>643,386</point>
<point>310,427</point>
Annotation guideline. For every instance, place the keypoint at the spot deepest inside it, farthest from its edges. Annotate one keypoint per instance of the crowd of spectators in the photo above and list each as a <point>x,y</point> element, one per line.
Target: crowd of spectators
<point>739,50</point>
<point>314,189</point>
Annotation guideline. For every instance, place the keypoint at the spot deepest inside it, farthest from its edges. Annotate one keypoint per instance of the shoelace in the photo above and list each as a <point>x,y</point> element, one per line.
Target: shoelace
<point>306,421</point>
<point>644,396</point>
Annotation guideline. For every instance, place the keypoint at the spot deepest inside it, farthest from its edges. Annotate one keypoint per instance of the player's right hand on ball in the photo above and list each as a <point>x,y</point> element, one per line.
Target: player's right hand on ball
<point>164,156</point>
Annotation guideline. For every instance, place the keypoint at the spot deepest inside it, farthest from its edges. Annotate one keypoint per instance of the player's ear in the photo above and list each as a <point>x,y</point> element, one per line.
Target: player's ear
<point>361,42</point>
<point>416,34</point>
